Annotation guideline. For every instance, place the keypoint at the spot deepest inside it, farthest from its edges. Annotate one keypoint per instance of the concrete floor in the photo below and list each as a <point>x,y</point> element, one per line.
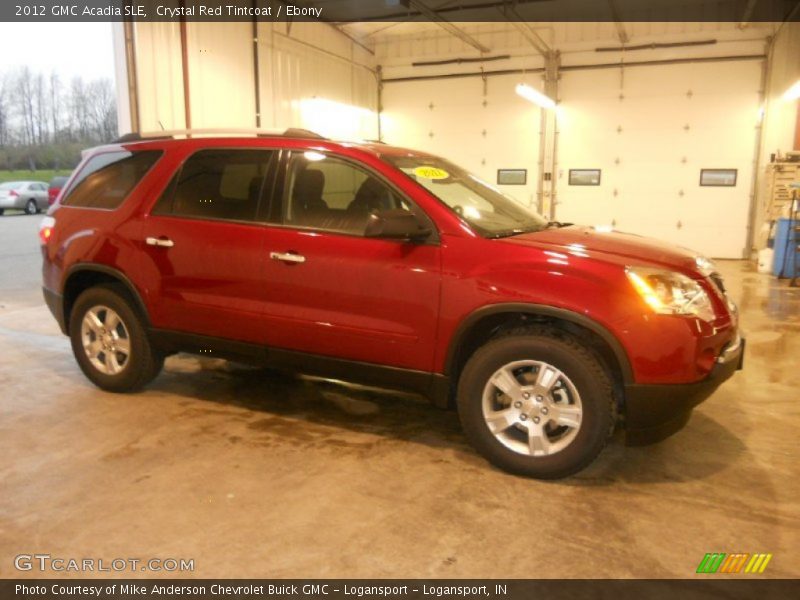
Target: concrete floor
<point>251,473</point>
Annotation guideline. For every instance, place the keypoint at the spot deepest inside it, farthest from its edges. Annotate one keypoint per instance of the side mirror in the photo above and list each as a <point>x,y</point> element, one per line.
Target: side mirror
<point>396,224</point>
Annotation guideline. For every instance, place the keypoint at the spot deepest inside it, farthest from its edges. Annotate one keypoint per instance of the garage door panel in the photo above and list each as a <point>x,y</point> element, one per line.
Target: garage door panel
<point>710,78</point>
<point>502,134</point>
<point>673,121</point>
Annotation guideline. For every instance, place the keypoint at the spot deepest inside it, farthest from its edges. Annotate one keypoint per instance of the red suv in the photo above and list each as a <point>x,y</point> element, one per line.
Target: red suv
<point>384,266</point>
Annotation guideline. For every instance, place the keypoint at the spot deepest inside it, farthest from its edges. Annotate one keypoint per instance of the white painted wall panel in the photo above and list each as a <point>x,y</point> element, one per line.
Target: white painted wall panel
<point>781,115</point>
<point>316,87</point>
<point>311,76</point>
<point>159,76</point>
<point>221,80</point>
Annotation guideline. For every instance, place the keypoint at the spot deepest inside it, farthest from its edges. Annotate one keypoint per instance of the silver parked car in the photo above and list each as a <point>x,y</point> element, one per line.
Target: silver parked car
<point>30,196</point>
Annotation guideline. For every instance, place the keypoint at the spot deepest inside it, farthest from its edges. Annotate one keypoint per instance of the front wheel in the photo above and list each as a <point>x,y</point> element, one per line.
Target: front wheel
<point>31,207</point>
<point>536,403</point>
<point>109,341</point>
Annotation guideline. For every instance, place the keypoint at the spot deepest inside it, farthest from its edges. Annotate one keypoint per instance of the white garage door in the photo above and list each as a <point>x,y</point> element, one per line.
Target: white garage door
<point>482,129</point>
<point>650,130</point>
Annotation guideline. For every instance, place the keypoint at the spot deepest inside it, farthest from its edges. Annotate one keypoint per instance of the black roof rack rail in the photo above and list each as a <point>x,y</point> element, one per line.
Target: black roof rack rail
<point>173,133</point>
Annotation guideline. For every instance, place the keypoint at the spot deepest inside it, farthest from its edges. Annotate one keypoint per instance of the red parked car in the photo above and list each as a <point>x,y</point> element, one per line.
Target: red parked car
<point>384,266</point>
<point>56,183</point>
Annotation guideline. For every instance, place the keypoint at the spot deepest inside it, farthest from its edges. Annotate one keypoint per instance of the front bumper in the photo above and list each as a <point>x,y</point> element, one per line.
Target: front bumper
<point>655,412</point>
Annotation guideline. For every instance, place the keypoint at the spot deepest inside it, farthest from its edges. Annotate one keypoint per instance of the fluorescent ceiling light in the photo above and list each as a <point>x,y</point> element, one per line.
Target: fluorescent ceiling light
<point>535,96</point>
<point>793,93</point>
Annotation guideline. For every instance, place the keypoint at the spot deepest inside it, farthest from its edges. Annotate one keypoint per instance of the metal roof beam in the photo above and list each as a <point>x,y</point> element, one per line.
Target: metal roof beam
<point>448,26</point>
<point>621,33</point>
<point>352,38</point>
<point>533,38</point>
<point>747,13</point>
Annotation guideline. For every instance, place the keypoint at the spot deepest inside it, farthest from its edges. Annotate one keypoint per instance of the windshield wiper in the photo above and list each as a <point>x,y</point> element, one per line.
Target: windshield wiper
<point>557,224</point>
<point>510,232</point>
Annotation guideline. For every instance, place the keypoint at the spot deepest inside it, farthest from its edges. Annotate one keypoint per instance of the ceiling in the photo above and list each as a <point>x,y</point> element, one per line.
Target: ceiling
<point>551,24</point>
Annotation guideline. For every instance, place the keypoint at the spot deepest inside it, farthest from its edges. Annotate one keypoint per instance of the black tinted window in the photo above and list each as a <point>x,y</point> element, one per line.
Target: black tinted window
<point>108,178</point>
<point>218,184</point>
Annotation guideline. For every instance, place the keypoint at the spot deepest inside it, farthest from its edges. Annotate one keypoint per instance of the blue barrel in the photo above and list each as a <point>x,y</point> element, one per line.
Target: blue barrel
<point>787,259</point>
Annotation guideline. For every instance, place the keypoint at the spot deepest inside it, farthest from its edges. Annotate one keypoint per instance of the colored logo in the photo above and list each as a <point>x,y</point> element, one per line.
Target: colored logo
<point>719,562</point>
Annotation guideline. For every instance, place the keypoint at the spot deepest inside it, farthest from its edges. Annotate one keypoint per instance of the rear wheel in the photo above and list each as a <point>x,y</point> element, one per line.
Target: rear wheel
<point>109,341</point>
<point>536,403</point>
<point>2,211</point>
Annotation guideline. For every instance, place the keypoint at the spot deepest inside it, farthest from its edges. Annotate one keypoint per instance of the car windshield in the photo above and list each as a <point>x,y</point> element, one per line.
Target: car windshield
<point>487,210</point>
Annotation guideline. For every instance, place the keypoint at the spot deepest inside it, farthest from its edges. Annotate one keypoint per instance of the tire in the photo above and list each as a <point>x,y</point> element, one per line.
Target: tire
<point>102,356</point>
<point>2,211</point>
<point>31,208</point>
<point>573,420</point>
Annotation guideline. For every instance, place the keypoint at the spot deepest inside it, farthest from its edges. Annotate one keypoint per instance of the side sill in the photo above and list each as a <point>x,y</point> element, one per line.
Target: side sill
<point>434,386</point>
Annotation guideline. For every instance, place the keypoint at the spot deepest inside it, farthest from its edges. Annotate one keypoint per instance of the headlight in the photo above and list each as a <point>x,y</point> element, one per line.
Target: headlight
<point>670,293</point>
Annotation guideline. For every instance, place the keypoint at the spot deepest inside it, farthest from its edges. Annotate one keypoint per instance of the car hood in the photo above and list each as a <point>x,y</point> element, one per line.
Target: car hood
<point>626,248</point>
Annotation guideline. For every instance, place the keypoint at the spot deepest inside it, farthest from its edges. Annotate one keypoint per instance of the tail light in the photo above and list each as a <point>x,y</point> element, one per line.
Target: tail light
<point>46,228</point>
<point>13,193</point>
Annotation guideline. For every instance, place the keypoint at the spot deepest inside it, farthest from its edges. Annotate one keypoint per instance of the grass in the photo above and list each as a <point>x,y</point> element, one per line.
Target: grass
<point>44,175</point>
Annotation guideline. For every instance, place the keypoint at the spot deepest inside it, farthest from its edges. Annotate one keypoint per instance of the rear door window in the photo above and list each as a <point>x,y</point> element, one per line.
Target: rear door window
<point>224,185</point>
<point>107,178</point>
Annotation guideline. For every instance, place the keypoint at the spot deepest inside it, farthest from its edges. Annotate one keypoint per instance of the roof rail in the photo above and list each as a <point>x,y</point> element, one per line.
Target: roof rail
<point>175,133</point>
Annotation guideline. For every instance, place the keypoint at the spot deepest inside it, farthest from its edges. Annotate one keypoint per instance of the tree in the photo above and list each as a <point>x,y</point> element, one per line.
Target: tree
<point>45,123</point>
<point>55,104</point>
<point>4,124</point>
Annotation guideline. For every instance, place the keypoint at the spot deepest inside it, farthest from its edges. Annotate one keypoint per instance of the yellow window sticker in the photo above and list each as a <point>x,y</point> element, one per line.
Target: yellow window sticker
<point>431,173</point>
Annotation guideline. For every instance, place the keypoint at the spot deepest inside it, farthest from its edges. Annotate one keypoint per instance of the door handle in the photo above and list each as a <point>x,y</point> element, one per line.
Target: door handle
<point>162,242</point>
<point>287,257</point>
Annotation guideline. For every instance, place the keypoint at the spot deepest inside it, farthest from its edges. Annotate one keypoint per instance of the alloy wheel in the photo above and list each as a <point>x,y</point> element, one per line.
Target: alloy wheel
<point>105,340</point>
<point>532,408</point>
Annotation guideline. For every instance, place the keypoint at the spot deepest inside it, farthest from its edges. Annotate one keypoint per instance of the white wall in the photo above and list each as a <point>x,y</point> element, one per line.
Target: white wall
<point>311,76</point>
<point>318,79</point>
<point>159,76</point>
<point>780,115</point>
<point>221,74</point>
<point>784,71</point>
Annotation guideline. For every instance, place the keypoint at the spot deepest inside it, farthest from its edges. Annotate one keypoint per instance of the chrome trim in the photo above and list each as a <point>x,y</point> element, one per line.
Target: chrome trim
<point>287,257</point>
<point>731,350</point>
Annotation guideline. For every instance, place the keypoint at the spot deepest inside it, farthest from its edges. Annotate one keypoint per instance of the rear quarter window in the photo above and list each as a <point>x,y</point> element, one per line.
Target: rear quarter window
<point>107,178</point>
